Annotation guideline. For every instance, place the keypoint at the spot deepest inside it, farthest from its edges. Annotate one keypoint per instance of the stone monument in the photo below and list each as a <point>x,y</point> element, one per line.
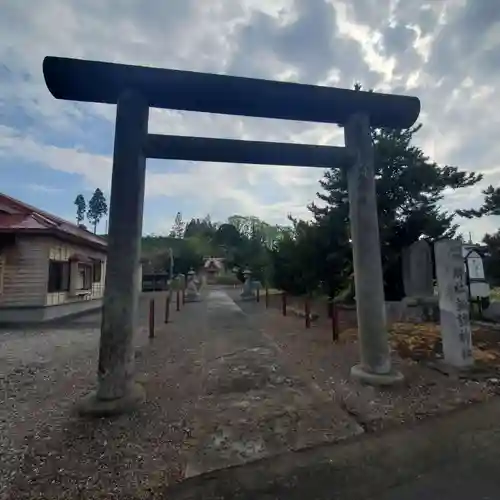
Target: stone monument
<point>192,293</point>
<point>420,302</point>
<point>248,292</point>
<point>135,89</point>
<point>453,304</point>
<point>417,270</point>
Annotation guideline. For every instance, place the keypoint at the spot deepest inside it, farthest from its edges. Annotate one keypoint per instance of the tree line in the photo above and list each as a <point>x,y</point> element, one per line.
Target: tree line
<point>242,241</point>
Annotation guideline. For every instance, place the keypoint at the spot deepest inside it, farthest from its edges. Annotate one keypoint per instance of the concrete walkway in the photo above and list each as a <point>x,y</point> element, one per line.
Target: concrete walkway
<point>252,406</point>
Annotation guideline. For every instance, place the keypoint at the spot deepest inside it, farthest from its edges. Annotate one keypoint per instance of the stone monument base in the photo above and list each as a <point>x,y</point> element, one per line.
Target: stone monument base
<point>92,406</point>
<point>380,379</point>
<point>421,309</point>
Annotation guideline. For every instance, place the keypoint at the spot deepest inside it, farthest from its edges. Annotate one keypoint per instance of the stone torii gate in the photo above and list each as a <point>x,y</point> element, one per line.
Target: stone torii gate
<point>134,90</point>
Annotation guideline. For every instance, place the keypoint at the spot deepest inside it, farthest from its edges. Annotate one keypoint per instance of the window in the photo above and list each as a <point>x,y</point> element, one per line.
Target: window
<point>97,271</point>
<point>58,276</point>
<point>85,277</point>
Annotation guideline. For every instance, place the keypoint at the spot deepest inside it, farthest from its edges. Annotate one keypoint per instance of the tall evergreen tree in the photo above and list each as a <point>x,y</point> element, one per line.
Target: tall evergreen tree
<point>410,188</point>
<point>178,227</point>
<point>81,206</point>
<point>491,205</point>
<point>204,228</point>
<point>97,208</point>
<point>492,261</point>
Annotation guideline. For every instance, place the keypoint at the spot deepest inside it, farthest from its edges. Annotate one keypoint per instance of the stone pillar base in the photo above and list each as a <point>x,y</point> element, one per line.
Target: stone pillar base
<point>91,406</point>
<point>380,379</point>
<point>248,297</point>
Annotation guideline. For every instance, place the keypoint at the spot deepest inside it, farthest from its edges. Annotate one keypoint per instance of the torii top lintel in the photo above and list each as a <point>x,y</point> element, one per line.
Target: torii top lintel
<point>101,82</point>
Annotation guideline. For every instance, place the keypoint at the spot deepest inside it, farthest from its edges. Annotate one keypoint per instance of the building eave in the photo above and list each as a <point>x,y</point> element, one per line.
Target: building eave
<point>58,234</point>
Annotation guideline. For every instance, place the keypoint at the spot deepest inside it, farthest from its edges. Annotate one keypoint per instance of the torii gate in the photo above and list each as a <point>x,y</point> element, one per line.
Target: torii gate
<point>135,89</point>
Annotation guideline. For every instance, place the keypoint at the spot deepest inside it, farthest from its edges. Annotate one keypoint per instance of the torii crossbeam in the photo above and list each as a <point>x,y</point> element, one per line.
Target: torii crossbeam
<point>134,90</point>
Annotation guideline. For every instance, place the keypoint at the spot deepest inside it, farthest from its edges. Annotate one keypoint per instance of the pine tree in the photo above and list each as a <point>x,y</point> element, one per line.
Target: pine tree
<point>491,205</point>
<point>410,189</point>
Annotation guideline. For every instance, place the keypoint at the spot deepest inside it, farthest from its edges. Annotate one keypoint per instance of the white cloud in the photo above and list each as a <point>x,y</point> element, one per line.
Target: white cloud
<point>425,46</point>
<point>41,188</point>
<point>95,169</point>
<point>206,184</point>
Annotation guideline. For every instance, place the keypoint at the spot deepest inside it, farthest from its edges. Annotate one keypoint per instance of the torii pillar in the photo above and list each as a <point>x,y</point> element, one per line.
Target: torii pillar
<point>375,365</point>
<point>135,89</point>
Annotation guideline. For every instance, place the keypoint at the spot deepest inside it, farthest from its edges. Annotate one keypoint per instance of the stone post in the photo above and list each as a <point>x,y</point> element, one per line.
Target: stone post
<point>248,290</point>
<point>192,294</point>
<point>116,390</point>
<point>453,304</point>
<point>375,366</point>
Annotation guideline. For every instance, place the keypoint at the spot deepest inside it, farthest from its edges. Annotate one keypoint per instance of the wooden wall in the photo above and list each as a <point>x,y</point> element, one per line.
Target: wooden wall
<point>25,272</point>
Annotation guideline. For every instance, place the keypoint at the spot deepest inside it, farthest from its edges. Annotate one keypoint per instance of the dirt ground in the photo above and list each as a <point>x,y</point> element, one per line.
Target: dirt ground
<point>227,383</point>
<point>417,350</point>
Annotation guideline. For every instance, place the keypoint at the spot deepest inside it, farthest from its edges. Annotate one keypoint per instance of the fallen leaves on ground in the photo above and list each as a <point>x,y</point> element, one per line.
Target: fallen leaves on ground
<point>423,341</point>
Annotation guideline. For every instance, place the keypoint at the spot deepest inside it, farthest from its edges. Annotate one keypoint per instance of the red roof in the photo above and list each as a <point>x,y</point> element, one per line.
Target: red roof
<point>19,217</point>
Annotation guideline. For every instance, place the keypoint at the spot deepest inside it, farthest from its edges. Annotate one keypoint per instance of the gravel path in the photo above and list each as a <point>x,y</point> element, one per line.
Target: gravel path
<point>42,373</point>
<point>217,391</point>
<point>36,368</point>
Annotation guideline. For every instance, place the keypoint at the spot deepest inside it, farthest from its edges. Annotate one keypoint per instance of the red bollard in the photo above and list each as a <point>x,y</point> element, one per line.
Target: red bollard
<point>152,319</point>
<point>267,297</point>
<point>335,326</point>
<point>329,308</point>
<point>283,303</point>
<point>178,301</point>
<point>167,308</point>
<point>307,312</point>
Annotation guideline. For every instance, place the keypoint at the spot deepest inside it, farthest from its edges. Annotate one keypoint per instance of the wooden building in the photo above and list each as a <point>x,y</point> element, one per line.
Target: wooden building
<point>49,267</point>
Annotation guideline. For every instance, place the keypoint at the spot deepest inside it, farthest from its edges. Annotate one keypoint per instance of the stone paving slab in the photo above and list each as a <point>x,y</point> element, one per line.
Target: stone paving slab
<point>236,430</point>
<point>252,405</point>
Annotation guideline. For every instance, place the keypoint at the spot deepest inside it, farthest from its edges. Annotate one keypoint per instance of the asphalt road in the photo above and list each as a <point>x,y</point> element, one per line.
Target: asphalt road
<point>477,480</point>
<point>455,457</point>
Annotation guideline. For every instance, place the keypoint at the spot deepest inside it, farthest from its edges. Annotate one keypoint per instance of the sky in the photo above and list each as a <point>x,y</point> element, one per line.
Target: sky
<point>446,52</point>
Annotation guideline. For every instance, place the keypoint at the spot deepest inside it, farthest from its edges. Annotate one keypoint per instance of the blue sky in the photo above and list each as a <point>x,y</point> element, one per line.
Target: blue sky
<point>447,53</point>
